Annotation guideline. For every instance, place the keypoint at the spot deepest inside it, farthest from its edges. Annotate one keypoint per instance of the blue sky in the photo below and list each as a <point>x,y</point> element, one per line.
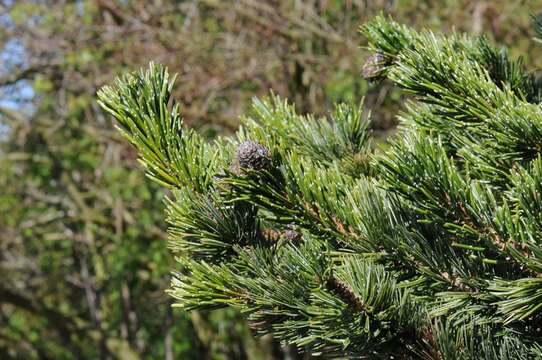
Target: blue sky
<point>12,57</point>
<point>18,96</point>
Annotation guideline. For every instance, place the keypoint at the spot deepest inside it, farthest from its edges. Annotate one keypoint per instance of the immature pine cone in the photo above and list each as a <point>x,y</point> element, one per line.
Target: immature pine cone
<point>374,67</point>
<point>344,291</point>
<point>292,236</point>
<point>252,155</point>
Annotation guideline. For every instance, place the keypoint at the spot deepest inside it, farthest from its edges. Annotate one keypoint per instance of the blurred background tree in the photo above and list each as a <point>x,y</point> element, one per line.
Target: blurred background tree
<point>81,253</point>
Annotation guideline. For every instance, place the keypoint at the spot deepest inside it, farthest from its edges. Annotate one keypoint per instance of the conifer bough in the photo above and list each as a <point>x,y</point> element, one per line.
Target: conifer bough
<point>430,249</point>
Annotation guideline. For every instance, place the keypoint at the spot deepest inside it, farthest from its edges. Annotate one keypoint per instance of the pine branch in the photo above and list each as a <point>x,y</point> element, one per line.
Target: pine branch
<point>342,139</point>
<point>537,25</point>
<point>205,227</point>
<point>387,37</point>
<point>172,155</point>
<point>430,248</point>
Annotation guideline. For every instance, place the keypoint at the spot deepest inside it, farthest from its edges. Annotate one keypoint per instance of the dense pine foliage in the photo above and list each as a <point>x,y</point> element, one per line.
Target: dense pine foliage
<point>428,248</point>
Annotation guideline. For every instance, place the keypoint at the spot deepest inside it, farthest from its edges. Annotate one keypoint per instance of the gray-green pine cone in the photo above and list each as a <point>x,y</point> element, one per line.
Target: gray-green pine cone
<point>374,66</point>
<point>252,155</point>
<point>292,236</point>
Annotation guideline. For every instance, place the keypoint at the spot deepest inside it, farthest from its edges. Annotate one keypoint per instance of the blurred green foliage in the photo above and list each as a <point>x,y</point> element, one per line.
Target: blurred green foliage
<point>82,256</point>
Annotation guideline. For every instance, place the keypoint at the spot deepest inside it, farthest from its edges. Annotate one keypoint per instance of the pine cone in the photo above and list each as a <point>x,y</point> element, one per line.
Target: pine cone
<point>374,67</point>
<point>292,236</point>
<point>344,291</point>
<point>252,155</point>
